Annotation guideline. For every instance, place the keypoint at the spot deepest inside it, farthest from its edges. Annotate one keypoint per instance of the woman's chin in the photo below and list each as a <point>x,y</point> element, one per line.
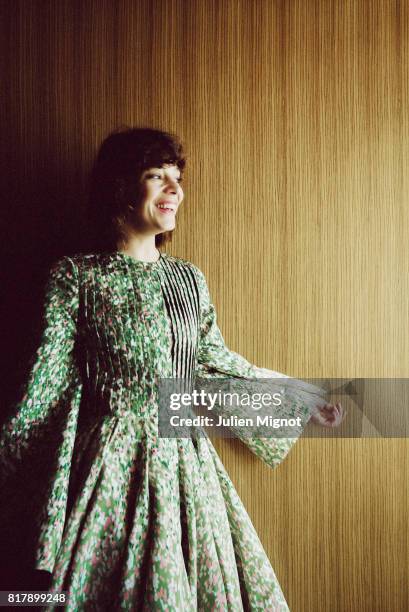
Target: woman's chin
<point>168,226</point>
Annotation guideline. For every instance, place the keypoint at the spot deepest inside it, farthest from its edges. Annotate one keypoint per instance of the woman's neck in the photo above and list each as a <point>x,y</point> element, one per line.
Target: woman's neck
<point>142,248</point>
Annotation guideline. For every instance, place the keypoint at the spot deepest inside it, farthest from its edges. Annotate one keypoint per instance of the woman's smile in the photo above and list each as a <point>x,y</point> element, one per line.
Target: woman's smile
<point>167,207</point>
<point>161,191</point>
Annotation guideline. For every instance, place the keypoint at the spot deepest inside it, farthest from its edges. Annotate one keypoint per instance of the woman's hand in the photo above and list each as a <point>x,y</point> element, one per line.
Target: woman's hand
<point>328,415</point>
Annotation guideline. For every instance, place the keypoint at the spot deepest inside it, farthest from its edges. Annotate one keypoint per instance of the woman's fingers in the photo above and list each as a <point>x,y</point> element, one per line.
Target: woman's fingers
<point>330,415</point>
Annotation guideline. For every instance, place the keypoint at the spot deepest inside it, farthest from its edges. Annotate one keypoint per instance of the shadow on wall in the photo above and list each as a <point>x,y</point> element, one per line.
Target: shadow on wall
<point>43,218</point>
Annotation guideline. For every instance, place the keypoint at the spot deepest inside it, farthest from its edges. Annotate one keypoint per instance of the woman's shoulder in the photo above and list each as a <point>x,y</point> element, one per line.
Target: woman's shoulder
<point>75,261</point>
<point>86,269</point>
<point>183,263</point>
<point>180,261</point>
<point>108,259</point>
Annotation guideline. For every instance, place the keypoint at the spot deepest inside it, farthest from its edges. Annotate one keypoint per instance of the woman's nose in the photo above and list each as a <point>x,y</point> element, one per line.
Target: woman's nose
<point>171,185</point>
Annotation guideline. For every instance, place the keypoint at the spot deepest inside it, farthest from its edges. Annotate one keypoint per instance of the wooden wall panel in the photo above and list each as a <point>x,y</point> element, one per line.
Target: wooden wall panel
<point>295,119</point>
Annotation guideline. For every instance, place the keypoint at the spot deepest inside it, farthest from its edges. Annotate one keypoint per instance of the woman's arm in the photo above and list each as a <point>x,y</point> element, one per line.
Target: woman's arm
<point>53,368</point>
<point>216,360</point>
<point>37,441</point>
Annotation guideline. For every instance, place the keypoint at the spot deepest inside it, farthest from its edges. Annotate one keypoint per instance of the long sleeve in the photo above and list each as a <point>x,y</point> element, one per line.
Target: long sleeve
<point>43,424</point>
<point>216,360</point>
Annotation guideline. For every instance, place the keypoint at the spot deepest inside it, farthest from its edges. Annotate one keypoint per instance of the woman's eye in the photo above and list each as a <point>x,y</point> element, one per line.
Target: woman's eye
<point>159,176</point>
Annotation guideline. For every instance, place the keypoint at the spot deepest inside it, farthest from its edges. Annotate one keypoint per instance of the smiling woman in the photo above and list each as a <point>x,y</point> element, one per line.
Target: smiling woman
<point>135,172</point>
<point>158,200</point>
<point>130,520</point>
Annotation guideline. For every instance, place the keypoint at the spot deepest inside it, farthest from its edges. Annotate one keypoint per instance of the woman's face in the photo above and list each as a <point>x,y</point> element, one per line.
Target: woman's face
<point>161,196</point>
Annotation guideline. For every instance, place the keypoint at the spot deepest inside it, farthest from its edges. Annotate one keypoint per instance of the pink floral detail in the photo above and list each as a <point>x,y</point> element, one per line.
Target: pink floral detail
<point>161,593</point>
<point>108,522</point>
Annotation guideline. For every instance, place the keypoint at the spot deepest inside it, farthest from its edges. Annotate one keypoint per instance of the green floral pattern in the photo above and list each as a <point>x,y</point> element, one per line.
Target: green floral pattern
<point>130,520</point>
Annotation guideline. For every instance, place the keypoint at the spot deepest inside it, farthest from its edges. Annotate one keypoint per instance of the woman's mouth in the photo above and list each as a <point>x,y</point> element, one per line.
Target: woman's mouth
<point>165,210</point>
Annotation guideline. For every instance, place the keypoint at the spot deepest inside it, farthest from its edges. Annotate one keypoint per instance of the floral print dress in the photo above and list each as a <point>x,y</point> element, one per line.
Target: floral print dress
<point>130,520</point>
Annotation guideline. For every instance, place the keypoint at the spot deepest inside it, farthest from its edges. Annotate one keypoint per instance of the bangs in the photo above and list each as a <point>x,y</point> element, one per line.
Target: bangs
<point>158,156</point>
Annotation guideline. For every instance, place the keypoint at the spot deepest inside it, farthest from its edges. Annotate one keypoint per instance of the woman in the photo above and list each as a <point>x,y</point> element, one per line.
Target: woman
<point>131,520</point>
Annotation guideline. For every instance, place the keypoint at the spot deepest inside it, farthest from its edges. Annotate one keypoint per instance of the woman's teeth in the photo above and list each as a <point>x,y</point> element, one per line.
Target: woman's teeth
<point>164,208</point>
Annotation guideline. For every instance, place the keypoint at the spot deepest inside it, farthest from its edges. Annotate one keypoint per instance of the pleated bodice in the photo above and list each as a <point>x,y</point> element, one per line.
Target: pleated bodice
<point>137,321</point>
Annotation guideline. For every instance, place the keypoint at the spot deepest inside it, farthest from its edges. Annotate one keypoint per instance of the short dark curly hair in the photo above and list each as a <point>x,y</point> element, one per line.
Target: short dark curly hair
<point>115,179</point>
